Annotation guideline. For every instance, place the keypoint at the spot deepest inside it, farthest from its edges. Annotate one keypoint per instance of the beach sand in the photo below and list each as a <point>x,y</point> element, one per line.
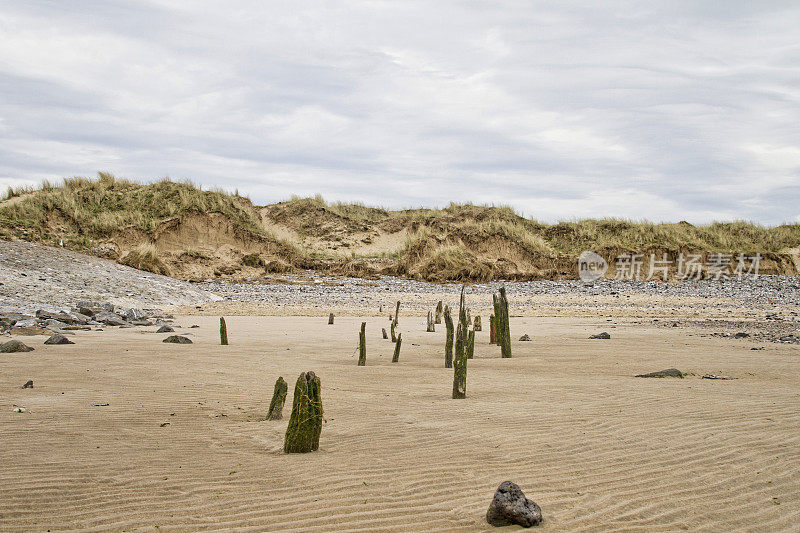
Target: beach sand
<point>595,447</point>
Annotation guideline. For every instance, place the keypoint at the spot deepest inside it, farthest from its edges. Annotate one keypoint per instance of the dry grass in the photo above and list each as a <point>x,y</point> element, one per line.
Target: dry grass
<point>145,257</point>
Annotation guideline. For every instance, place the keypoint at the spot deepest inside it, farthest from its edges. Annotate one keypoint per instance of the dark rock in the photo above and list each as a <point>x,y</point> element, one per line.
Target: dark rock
<point>510,507</point>
<point>741,335</point>
<point>135,314</point>
<point>177,339</point>
<point>525,338</point>
<point>58,339</point>
<point>14,347</point>
<point>108,318</point>
<point>603,335</point>
<point>668,373</point>
<point>193,326</point>
<point>143,322</point>
<point>28,384</point>
<point>165,329</point>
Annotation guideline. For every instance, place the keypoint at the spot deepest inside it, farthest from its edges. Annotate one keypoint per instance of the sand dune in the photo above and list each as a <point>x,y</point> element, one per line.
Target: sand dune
<point>595,447</point>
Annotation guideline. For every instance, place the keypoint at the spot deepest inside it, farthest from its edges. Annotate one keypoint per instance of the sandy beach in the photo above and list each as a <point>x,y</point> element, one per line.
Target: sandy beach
<point>183,443</point>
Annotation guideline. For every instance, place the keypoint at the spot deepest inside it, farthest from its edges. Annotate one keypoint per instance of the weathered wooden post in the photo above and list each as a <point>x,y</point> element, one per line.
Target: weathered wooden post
<point>362,345</point>
<point>278,399</point>
<point>476,324</point>
<point>498,317</point>
<point>505,338</point>
<point>492,330</point>
<point>397,348</point>
<point>305,423</point>
<point>330,319</point>
<point>460,361</point>
<point>431,326</point>
<point>385,336</point>
<point>397,314</point>
<point>471,344</point>
<point>223,332</point>
<point>448,343</point>
<point>439,312</point>
<point>393,332</point>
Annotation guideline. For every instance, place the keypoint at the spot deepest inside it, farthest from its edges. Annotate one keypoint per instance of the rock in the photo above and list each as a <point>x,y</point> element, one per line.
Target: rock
<point>52,323</point>
<point>100,306</point>
<point>193,326</point>
<point>668,373</point>
<point>77,328</point>
<point>14,346</point>
<point>714,376</point>
<point>80,318</point>
<point>41,314</point>
<point>510,507</point>
<point>58,339</point>
<point>108,318</point>
<point>177,339</point>
<point>741,335</point>
<point>164,329</point>
<point>30,331</point>
<point>28,384</point>
<point>27,323</point>
<point>603,335</point>
<point>19,409</point>
<point>525,338</point>
<point>787,338</point>
<point>143,322</point>
<point>135,314</point>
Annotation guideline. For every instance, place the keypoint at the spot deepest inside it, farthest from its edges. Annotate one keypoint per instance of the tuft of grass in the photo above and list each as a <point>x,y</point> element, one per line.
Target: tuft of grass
<point>145,257</point>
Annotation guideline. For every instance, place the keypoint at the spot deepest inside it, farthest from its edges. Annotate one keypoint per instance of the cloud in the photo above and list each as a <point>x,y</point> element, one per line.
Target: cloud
<point>663,110</point>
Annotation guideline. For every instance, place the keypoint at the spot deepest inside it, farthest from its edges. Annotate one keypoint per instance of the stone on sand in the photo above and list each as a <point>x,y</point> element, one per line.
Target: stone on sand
<point>603,335</point>
<point>510,507</point>
<point>668,373</point>
<point>58,338</point>
<point>177,339</point>
<point>14,346</point>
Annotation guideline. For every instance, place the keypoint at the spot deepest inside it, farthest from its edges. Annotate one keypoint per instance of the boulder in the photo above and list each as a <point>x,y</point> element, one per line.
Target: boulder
<point>65,318</point>
<point>58,339</point>
<point>108,318</point>
<point>52,323</point>
<point>14,346</point>
<point>30,331</point>
<point>741,335</point>
<point>135,314</point>
<point>510,507</point>
<point>603,335</point>
<point>165,329</point>
<point>668,373</point>
<point>177,339</point>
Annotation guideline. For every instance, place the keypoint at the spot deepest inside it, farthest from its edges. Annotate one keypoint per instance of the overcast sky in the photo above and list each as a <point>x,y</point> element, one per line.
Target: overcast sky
<point>671,110</point>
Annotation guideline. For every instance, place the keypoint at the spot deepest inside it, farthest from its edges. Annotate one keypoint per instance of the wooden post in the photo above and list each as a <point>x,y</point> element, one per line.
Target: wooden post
<point>397,314</point>
<point>439,313</point>
<point>397,348</point>
<point>492,330</point>
<point>305,423</point>
<point>498,332</point>
<point>385,336</point>
<point>476,325</point>
<point>448,343</point>
<point>330,319</point>
<point>431,326</point>
<point>392,330</point>
<point>471,344</point>
<point>362,345</point>
<point>278,399</point>
<point>460,360</point>
<point>223,332</point>
<point>505,339</point>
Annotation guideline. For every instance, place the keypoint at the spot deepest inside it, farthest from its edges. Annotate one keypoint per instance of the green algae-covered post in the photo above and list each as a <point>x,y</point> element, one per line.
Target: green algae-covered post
<point>393,332</point>
<point>471,344</point>
<point>476,325</point>
<point>396,357</point>
<point>362,345</point>
<point>492,330</point>
<point>305,423</point>
<point>397,314</point>
<point>438,313</point>
<point>223,332</point>
<point>505,338</point>
<point>330,319</point>
<point>448,343</point>
<point>460,360</point>
<point>278,399</point>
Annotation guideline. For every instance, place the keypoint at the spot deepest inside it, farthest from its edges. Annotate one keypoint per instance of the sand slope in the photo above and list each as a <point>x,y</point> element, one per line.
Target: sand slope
<point>595,447</point>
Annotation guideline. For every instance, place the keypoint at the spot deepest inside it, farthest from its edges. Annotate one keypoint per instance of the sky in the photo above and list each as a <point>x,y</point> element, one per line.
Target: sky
<point>659,110</point>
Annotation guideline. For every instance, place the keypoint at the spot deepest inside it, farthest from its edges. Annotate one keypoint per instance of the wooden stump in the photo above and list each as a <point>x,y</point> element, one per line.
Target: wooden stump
<point>385,336</point>
<point>397,314</point>
<point>223,332</point>
<point>492,330</point>
<point>448,343</point>
<point>505,338</point>
<point>305,423</point>
<point>476,324</point>
<point>397,348</point>
<point>471,344</point>
<point>460,359</point>
<point>438,313</point>
<point>362,345</point>
<point>330,319</point>
<point>278,399</point>
<point>431,326</point>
